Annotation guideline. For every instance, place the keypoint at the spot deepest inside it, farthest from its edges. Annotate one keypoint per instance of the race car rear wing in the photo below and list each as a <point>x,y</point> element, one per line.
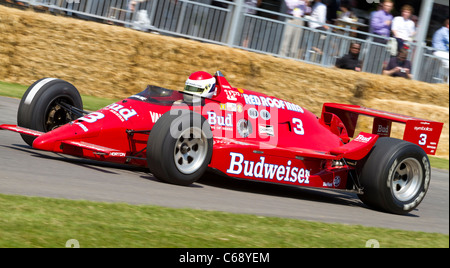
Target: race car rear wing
<point>425,133</point>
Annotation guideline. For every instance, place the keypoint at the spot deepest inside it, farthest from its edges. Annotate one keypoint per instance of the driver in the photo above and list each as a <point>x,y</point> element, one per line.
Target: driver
<point>200,84</point>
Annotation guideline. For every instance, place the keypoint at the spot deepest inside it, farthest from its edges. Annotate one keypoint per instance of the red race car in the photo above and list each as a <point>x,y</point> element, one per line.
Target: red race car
<point>238,133</point>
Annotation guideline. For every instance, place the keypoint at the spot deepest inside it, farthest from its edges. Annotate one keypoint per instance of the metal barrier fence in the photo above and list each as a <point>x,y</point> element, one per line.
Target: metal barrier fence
<point>236,24</point>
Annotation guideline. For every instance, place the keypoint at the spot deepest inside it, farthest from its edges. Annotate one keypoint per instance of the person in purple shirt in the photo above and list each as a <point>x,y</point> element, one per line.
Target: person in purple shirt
<point>381,21</point>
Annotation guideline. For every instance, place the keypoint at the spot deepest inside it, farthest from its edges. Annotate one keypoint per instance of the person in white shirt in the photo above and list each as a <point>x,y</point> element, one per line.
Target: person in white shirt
<point>403,28</point>
<point>293,29</point>
<point>318,16</point>
<point>317,21</point>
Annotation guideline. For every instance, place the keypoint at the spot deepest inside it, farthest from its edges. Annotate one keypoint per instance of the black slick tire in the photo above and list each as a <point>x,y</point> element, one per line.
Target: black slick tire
<point>179,147</point>
<point>39,110</point>
<point>395,176</point>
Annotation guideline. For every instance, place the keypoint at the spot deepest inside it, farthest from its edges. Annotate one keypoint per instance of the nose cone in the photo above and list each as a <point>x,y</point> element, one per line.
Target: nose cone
<point>44,142</point>
<point>51,141</point>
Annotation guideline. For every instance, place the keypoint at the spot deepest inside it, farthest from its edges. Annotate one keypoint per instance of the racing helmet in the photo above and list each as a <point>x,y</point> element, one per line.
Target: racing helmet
<point>201,84</point>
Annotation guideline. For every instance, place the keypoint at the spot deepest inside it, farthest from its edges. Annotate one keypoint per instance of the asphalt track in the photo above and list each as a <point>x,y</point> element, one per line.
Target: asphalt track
<point>26,171</point>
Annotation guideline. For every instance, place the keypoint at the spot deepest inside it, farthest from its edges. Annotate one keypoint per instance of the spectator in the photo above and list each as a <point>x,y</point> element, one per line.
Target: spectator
<point>20,3</point>
<point>351,60</point>
<point>332,10</point>
<point>345,11</point>
<point>381,21</point>
<point>249,27</point>
<point>399,66</point>
<point>440,43</point>
<point>403,28</point>
<point>379,7</point>
<point>138,9</point>
<point>319,16</point>
<point>293,29</point>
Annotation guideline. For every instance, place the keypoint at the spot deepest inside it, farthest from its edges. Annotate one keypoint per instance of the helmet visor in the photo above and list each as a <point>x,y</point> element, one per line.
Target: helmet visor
<point>193,89</point>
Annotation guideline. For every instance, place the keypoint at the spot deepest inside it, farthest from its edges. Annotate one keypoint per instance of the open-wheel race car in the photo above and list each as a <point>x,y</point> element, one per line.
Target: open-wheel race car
<point>238,133</point>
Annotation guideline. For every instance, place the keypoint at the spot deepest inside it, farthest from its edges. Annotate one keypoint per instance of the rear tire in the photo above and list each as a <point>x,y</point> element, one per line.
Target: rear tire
<point>179,147</point>
<point>395,176</point>
<point>39,108</point>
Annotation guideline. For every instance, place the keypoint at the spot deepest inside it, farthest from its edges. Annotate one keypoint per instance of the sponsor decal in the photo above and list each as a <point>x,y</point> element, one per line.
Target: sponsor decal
<point>268,171</point>
<point>271,102</point>
<point>267,130</point>
<point>337,181</point>
<point>155,116</point>
<point>123,113</point>
<point>214,119</point>
<point>232,95</point>
<point>423,128</point>
<point>265,114</point>
<point>244,128</point>
<point>240,108</point>
<point>253,113</point>
<point>118,154</point>
<point>383,129</point>
<point>231,107</point>
<point>363,139</point>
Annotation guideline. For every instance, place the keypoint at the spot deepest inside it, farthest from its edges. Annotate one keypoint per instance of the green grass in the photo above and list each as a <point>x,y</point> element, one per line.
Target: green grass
<point>438,162</point>
<point>46,222</point>
<point>90,103</point>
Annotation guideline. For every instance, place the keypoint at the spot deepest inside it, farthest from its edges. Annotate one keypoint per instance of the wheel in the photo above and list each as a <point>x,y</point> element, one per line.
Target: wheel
<point>395,176</point>
<point>40,107</point>
<point>179,147</point>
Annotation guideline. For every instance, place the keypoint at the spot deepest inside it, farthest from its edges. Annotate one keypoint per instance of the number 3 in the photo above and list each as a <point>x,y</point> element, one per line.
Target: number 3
<point>92,117</point>
<point>298,128</point>
<point>423,139</point>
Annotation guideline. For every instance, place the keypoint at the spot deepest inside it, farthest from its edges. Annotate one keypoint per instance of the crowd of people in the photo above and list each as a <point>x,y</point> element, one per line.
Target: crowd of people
<point>397,32</point>
<point>401,30</point>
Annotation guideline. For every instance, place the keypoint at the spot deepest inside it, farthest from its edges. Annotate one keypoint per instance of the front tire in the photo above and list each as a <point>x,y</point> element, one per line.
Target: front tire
<point>179,147</point>
<point>395,176</point>
<point>40,107</point>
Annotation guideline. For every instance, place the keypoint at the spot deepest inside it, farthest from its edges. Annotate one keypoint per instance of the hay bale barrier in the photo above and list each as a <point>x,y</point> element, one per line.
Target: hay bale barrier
<point>111,61</point>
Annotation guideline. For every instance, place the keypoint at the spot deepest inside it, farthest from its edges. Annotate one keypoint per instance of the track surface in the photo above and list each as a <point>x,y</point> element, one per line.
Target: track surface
<point>26,171</point>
